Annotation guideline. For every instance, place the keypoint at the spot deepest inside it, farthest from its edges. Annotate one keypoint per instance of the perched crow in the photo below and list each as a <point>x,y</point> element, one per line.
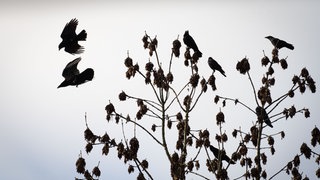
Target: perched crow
<point>261,113</point>
<point>189,41</point>
<point>215,66</point>
<point>70,38</point>
<point>278,43</point>
<point>216,153</point>
<point>72,76</point>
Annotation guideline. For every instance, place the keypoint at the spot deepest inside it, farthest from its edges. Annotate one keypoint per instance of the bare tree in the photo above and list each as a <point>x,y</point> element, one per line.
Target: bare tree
<point>160,80</point>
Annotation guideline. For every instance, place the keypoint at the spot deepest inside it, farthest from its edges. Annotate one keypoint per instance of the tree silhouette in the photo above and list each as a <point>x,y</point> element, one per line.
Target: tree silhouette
<point>254,143</point>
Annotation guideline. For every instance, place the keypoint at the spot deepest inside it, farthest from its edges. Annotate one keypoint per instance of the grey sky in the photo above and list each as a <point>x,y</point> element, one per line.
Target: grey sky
<point>42,126</point>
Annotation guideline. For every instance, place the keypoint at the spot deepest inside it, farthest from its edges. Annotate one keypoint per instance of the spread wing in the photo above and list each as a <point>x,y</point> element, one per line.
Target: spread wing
<point>71,69</point>
<point>69,30</point>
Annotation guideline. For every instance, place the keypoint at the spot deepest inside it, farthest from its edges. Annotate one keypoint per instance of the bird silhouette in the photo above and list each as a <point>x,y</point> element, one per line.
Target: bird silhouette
<point>72,76</point>
<point>261,113</point>
<point>70,38</point>
<point>215,66</point>
<point>216,153</point>
<point>278,43</point>
<point>189,41</point>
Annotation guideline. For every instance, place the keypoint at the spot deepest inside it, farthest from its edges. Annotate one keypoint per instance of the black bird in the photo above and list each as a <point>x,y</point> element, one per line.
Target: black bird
<point>215,66</point>
<point>70,38</point>
<point>261,113</point>
<point>216,153</point>
<point>72,76</point>
<point>278,43</point>
<point>189,41</point>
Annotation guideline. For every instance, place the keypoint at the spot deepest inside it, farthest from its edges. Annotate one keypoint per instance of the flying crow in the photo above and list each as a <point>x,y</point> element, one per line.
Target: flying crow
<point>70,38</point>
<point>72,76</point>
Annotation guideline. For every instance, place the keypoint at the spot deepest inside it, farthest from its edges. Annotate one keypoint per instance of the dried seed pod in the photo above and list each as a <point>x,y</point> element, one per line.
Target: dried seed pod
<point>110,109</point>
<point>187,101</point>
<point>265,61</point>
<point>130,169</point>
<point>89,147</point>
<point>243,150</point>
<point>270,140</point>
<point>234,133</point>
<point>176,47</point>
<point>291,93</point>
<point>295,79</point>
<point>144,164</point>
<point>270,71</point>
<point>153,127</point>
<point>128,62</point>
<point>283,64</point>
<point>275,52</point>
<point>304,73</point>
<point>220,118</point>
<point>224,137</point>
<point>205,134</point>
<point>88,134</point>
<point>80,165</point>
<point>96,171</point>
<point>194,80</point>
<point>169,77</point>
<point>122,96</point>
<point>243,66</point>
<point>304,149</point>
<point>264,158</point>
<point>105,138</point>
<point>149,66</point>
<point>296,161</point>
<point>275,59</point>
<point>190,165</point>
<point>105,149</point>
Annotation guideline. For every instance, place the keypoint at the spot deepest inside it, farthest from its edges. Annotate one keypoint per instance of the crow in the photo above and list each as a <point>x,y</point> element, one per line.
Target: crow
<point>278,43</point>
<point>189,41</point>
<point>215,66</point>
<point>70,38</point>
<point>216,153</point>
<point>72,76</point>
<point>262,114</point>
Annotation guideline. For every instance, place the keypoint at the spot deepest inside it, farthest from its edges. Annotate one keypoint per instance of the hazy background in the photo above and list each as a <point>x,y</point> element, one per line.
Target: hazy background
<point>42,127</point>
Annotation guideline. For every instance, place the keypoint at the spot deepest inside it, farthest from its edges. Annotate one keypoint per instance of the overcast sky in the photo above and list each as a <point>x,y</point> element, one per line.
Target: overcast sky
<point>42,126</point>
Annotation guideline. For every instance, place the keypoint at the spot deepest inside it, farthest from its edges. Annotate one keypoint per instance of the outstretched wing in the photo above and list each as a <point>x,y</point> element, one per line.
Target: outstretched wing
<point>69,30</point>
<point>71,69</point>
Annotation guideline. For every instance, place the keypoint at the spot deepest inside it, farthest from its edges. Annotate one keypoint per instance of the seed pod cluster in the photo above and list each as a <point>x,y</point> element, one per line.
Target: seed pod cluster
<point>315,133</point>
<point>243,66</point>
<point>176,47</point>
<point>212,82</point>
<point>264,95</point>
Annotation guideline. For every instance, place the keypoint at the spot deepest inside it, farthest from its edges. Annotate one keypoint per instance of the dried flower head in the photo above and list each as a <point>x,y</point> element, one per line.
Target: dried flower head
<point>283,64</point>
<point>128,62</point>
<point>194,80</point>
<point>80,165</point>
<point>304,73</point>
<point>176,47</point>
<point>265,61</point>
<point>304,149</point>
<point>149,66</point>
<point>203,85</point>
<point>243,66</point>
<point>220,118</point>
<point>122,96</point>
<point>96,171</point>
<point>110,108</point>
<point>144,164</point>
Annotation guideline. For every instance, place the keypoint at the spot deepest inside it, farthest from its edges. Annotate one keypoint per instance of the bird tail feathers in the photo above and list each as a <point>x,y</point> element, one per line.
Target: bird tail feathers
<point>82,36</point>
<point>290,46</point>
